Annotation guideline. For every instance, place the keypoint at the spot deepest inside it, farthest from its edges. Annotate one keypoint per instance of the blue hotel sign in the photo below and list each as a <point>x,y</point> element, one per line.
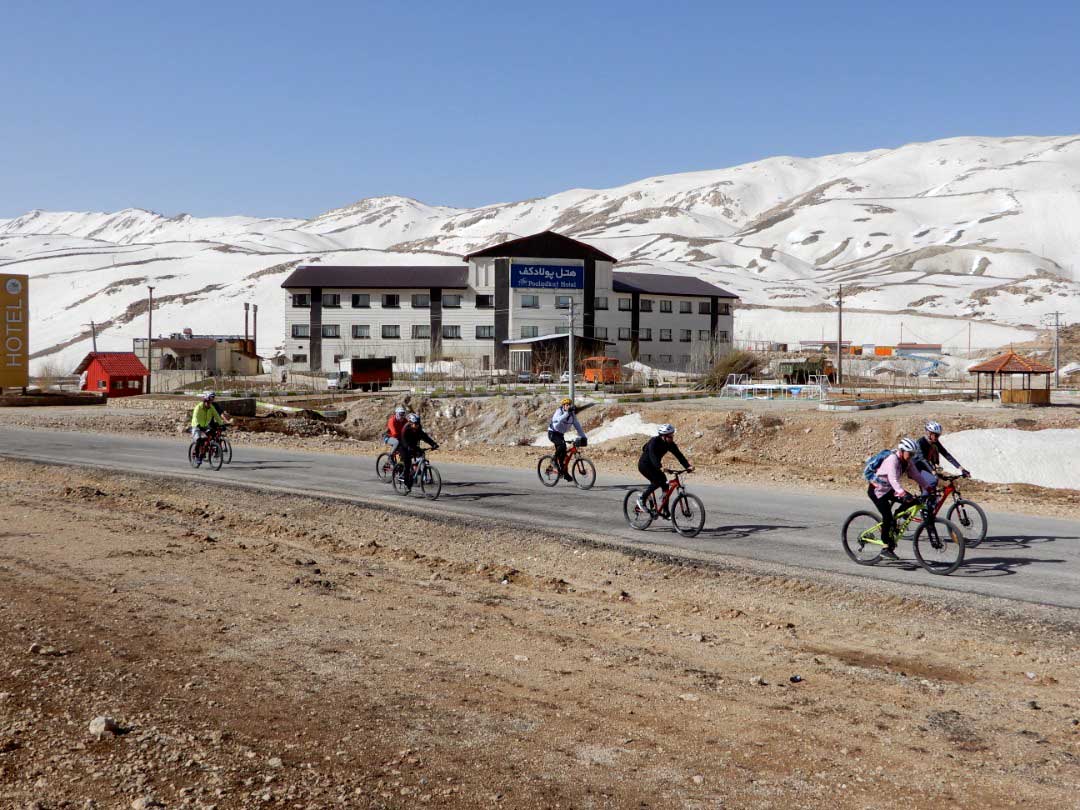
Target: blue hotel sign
<point>547,276</point>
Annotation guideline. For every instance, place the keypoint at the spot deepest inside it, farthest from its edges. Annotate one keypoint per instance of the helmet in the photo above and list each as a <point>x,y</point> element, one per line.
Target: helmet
<point>909,445</point>
<point>399,411</point>
<point>566,402</point>
<point>933,427</point>
<point>666,430</point>
<point>208,396</point>
<point>414,418</point>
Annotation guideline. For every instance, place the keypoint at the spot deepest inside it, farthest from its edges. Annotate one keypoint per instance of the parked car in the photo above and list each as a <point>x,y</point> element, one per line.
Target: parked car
<point>565,378</point>
<point>525,377</point>
<point>545,377</point>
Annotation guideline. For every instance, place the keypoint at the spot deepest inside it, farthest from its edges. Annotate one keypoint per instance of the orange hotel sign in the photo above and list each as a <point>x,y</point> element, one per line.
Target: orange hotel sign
<point>14,331</point>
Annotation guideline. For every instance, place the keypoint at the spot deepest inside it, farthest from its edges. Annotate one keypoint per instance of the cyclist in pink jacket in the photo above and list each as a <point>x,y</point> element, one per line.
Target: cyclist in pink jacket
<point>885,489</point>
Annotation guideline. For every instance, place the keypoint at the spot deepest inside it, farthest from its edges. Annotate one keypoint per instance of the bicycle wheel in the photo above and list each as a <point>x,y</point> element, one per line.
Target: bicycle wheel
<point>688,514</point>
<point>637,518</point>
<point>192,459</point>
<point>584,473</point>
<point>971,519</point>
<point>226,451</point>
<point>939,546</point>
<point>430,482</point>
<point>398,477</point>
<point>384,468</point>
<point>213,455</point>
<point>861,537</point>
<point>548,471</point>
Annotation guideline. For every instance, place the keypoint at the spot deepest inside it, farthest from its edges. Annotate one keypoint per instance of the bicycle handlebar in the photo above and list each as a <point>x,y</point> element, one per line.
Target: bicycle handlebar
<point>677,472</point>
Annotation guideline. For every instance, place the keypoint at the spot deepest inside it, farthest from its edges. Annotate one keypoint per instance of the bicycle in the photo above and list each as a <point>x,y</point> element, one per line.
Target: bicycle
<point>966,514</point>
<point>384,466</point>
<point>424,474</point>
<point>218,434</point>
<point>582,471</point>
<point>207,448</point>
<point>685,511</point>
<point>938,543</point>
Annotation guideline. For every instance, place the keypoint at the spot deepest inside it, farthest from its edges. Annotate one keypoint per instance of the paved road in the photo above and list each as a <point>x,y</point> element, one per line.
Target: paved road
<point>1024,558</point>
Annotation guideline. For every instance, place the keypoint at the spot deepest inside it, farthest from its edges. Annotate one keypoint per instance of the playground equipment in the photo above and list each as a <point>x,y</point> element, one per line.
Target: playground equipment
<point>740,386</point>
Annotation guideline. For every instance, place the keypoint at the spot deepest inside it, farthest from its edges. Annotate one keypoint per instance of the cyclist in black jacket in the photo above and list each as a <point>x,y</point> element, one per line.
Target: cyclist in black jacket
<point>651,462</point>
<point>931,451</point>
<point>411,436</point>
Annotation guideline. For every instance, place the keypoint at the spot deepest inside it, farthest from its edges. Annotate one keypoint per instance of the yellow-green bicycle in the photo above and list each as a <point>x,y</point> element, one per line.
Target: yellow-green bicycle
<point>938,543</point>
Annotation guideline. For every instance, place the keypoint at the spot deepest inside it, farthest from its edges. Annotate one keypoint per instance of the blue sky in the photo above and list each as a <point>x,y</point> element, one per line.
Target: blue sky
<point>293,109</point>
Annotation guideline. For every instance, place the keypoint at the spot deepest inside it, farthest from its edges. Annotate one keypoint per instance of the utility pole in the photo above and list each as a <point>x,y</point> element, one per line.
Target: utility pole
<point>839,335</point>
<point>255,327</point>
<point>1057,361</point>
<point>570,347</point>
<point>149,339</point>
<point>247,306</point>
<point>969,340</point>
<point>93,335</point>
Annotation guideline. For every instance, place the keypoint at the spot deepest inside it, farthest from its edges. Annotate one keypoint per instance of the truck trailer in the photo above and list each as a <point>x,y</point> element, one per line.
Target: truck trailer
<point>365,374</point>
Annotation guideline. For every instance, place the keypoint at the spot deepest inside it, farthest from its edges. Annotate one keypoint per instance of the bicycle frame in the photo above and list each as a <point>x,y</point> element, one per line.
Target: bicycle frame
<point>673,486</point>
<point>901,521</point>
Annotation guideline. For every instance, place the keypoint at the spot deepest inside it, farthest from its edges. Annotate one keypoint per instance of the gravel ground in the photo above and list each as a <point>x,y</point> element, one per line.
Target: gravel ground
<point>269,651</point>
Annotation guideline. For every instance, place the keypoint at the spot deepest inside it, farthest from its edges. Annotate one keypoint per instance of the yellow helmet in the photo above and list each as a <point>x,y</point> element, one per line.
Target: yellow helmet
<point>567,402</point>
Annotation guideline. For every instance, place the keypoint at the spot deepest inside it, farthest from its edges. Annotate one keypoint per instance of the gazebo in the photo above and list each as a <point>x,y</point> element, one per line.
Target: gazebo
<point>1005,368</point>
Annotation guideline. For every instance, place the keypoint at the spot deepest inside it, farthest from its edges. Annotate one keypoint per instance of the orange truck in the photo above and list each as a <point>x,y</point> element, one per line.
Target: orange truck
<point>602,370</point>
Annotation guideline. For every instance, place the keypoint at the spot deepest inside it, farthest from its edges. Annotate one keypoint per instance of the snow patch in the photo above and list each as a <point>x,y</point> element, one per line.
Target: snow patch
<point>629,425</point>
<point>1045,458</point>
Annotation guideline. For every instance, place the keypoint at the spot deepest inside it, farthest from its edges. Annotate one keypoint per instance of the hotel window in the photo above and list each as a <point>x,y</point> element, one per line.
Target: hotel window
<point>391,332</point>
<point>600,332</point>
<point>665,335</point>
<point>624,305</point>
<point>337,358</point>
<point>530,331</point>
<point>361,301</point>
<point>451,301</point>
<point>391,301</point>
<point>684,359</point>
<point>703,308</point>
<point>421,300</point>
<point>562,302</point>
<point>421,331</point>
<point>665,306</point>
<point>624,333</point>
<point>331,300</point>
<point>645,305</point>
<point>722,336</point>
<point>361,331</point>
<point>703,334</point>
<point>725,309</point>
<point>685,335</point>
<point>485,332</point>
<point>485,302</point>
<point>301,300</point>
<point>451,332</point>
<point>301,330</point>
<point>299,358</point>
<point>645,358</point>
<point>686,307</point>
<point>665,358</point>
<point>645,334</point>
<point>600,302</point>
<point>530,302</point>
<point>331,330</point>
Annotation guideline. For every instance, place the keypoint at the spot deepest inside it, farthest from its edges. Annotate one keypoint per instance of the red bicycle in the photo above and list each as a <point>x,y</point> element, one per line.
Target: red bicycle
<point>582,471</point>
<point>967,515</point>
<point>685,511</point>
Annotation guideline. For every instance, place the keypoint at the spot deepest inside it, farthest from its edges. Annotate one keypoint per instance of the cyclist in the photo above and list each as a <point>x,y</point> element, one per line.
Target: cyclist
<point>931,451</point>
<point>203,417</point>
<point>394,425</point>
<point>409,445</point>
<point>650,464</point>
<point>564,418</point>
<point>886,489</point>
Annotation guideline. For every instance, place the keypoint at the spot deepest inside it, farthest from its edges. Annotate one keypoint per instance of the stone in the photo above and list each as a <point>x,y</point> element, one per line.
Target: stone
<point>698,779</point>
<point>102,725</point>
<point>757,680</point>
<point>145,803</point>
<point>795,679</point>
<point>275,762</point>
<point>521,658</point>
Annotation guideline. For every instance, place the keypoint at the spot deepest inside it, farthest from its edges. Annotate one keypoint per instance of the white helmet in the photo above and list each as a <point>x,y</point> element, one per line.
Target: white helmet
<point>399,411</point>
<point>909,445</point>
<point>208,396</point>
<point>666,430</point>
<point>933,427</point>
<point>414,418</point>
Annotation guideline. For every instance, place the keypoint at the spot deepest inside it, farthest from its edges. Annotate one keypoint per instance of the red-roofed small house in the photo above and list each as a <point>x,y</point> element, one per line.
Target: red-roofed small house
<point>115,374</point>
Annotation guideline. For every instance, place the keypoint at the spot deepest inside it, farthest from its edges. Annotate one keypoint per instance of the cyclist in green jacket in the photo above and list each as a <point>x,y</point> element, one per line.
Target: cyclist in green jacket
<point>203,417</point>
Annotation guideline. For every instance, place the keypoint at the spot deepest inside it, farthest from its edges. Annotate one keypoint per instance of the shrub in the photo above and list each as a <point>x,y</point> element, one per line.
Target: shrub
<point>736,362</point>
<point>849,426</point>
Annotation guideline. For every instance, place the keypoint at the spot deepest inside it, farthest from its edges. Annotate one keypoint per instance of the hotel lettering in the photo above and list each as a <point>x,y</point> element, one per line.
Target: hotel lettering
<point>15,326</point>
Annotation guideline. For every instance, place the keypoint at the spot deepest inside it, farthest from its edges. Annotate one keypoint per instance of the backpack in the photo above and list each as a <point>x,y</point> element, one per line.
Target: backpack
<point>870,469</point>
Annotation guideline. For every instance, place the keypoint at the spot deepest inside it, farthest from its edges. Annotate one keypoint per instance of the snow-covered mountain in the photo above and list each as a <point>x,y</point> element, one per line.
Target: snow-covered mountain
<point>930,235</point>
